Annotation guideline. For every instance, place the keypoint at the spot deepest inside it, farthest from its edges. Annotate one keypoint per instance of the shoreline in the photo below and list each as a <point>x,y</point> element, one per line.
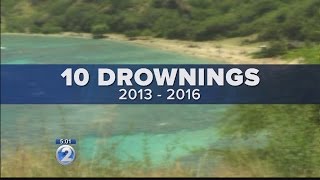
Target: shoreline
<point>229,50</point>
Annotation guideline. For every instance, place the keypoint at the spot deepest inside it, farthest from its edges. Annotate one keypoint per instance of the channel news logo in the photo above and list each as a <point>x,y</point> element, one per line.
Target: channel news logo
<point>65,153</point>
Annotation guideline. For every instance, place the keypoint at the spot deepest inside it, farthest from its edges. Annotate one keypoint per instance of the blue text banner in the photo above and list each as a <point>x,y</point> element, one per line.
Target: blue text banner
<point>160,84</point>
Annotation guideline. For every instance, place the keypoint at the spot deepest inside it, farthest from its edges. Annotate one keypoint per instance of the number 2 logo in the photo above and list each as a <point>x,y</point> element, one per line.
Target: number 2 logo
<point>65,154</point>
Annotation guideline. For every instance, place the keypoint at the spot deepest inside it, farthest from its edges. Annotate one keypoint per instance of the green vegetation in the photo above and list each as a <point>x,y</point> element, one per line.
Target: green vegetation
<point>98,30</point>
<point>276,48</point>
<point>292,133</point>
<point>310,55</point>
<point>273,21</point>
<point>306,52</point>
<point>173,19</point>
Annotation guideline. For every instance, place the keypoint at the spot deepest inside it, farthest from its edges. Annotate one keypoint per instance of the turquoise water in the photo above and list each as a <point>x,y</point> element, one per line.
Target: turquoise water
<point>55,50</point>
<point>130,129</point>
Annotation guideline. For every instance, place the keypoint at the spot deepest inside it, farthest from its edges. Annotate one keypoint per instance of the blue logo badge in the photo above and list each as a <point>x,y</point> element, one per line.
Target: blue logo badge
<point>65,154</point>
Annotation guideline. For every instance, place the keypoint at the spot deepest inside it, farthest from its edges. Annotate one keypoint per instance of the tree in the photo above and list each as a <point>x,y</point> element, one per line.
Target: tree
<point>276,48</point>
<point>99,30</point>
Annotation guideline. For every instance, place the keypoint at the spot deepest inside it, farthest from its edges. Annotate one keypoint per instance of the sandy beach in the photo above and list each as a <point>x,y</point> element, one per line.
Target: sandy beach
<point>230,50</point>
